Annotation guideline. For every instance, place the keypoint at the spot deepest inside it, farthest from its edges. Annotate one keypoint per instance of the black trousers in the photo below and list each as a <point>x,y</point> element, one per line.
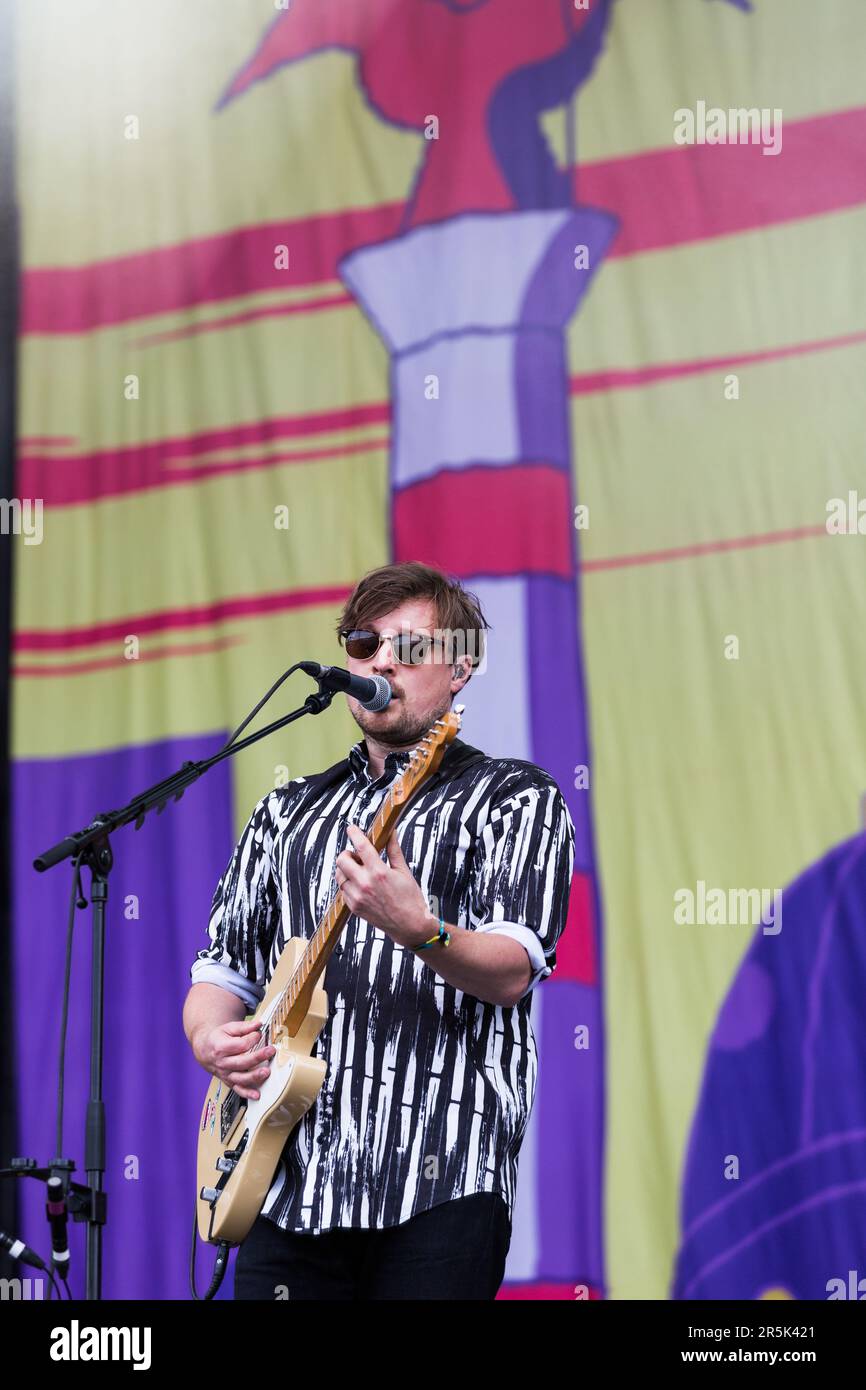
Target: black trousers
<point>455,1250</point>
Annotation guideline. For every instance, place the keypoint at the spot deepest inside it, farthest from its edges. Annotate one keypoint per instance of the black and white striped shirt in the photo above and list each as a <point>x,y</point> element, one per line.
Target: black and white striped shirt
<point>428,1089</point>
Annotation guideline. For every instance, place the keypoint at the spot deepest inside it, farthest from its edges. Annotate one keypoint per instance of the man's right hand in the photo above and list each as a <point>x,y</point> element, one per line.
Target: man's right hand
<point>225,1052</point>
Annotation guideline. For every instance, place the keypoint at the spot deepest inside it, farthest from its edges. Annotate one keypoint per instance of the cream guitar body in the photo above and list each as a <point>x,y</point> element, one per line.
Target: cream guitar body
<point>240,1141</point>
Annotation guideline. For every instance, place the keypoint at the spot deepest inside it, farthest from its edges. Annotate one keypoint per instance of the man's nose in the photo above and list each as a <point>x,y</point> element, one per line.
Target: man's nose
<point>381,662</point>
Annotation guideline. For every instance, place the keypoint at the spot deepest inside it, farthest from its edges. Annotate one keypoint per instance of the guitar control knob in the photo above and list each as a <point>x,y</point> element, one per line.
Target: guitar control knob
<point>226,1163</point>
<point>209,1194</point>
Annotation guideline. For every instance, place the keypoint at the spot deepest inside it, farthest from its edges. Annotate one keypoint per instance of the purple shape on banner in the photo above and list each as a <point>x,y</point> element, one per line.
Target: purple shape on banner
<point>784,1092</point>
<point>560,739</point>
<point>569,1099</point>
<point>152,1086</point>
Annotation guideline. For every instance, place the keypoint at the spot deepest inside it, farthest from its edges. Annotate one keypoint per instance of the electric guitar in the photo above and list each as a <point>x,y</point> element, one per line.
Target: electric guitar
<point>240,1141</point>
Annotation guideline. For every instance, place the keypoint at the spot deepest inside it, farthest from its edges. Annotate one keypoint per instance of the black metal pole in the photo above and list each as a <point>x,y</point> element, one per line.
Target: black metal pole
<point>94,1139</point>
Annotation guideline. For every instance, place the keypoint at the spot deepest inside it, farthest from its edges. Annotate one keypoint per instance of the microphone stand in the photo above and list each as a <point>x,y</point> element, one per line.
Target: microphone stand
<point>91,846</point>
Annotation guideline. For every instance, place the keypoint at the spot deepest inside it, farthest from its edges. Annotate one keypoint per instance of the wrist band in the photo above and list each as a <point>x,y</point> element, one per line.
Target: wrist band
<point>442,936</point>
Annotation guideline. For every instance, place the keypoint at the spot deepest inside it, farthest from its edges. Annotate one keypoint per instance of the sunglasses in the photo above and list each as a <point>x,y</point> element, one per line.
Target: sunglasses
<point>409,648</point>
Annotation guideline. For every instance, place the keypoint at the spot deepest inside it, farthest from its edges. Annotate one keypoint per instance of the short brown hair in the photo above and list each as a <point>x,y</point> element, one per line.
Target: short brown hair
<point>458,612</point>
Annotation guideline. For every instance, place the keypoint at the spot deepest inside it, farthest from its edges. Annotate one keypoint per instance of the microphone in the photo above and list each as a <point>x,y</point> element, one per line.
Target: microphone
<point>371,692</point>
<point>55,1210</point>
<point>19,1251</point>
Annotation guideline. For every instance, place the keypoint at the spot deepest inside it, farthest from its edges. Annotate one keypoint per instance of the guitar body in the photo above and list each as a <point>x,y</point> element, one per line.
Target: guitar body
<point>240,1141</point>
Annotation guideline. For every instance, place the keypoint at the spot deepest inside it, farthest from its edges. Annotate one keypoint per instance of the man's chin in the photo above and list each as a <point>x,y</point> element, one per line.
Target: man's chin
<point>385,729</point>
<point>397,733</point>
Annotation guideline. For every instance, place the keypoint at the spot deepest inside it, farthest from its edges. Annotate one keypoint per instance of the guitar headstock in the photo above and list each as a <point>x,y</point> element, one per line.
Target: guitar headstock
<point>427,755</point>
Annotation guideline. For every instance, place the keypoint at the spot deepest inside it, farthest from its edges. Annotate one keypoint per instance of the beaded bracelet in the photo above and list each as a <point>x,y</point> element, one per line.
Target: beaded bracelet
<point>442,936</point>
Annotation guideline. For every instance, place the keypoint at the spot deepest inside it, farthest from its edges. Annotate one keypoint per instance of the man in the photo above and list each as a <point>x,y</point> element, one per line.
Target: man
<point>399,1181</point>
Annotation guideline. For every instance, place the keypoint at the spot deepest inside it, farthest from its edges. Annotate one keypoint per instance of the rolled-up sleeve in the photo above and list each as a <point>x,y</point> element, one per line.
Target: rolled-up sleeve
<point>523,863</point>
<point>244,915</point>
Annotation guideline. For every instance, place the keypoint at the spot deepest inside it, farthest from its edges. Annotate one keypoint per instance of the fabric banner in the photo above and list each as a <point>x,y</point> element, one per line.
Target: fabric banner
<point>563,299</point>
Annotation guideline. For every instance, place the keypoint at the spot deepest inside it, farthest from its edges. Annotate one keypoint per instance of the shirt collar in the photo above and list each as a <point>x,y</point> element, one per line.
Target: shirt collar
<point>359,760</point>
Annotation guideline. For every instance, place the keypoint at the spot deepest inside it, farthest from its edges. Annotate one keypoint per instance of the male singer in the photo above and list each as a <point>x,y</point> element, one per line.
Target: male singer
<point>399,1182</point>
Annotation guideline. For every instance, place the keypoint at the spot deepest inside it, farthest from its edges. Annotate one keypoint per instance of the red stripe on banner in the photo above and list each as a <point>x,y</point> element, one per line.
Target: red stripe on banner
<point>60,639</point>
<point>112,663</point>
<point>663,198</point>
<point>488,520</point>
<point>134,468</point>
<point>267,311</point>
<point>46,441</point>
<point>690,193</point>
<point>575,950</point>
<point>170,279</point>
<point>688,552</point>
<point>192,473</point>
<point>625,379</point>
<point>256,605</point>
<point>113,472</point>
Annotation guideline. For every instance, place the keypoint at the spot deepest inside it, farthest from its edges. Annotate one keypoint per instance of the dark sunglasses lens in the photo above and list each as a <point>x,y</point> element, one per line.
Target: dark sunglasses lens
<point>411,648</point>
<point>362,645</point>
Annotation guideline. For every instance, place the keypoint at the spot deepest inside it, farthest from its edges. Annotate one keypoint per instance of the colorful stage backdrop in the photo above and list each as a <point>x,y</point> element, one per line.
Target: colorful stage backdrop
<point>522,290</point>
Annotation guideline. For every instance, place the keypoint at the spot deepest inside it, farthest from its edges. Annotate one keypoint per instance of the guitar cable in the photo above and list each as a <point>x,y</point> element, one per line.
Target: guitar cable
<point>262,702</point>
<point>220,1264</point>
